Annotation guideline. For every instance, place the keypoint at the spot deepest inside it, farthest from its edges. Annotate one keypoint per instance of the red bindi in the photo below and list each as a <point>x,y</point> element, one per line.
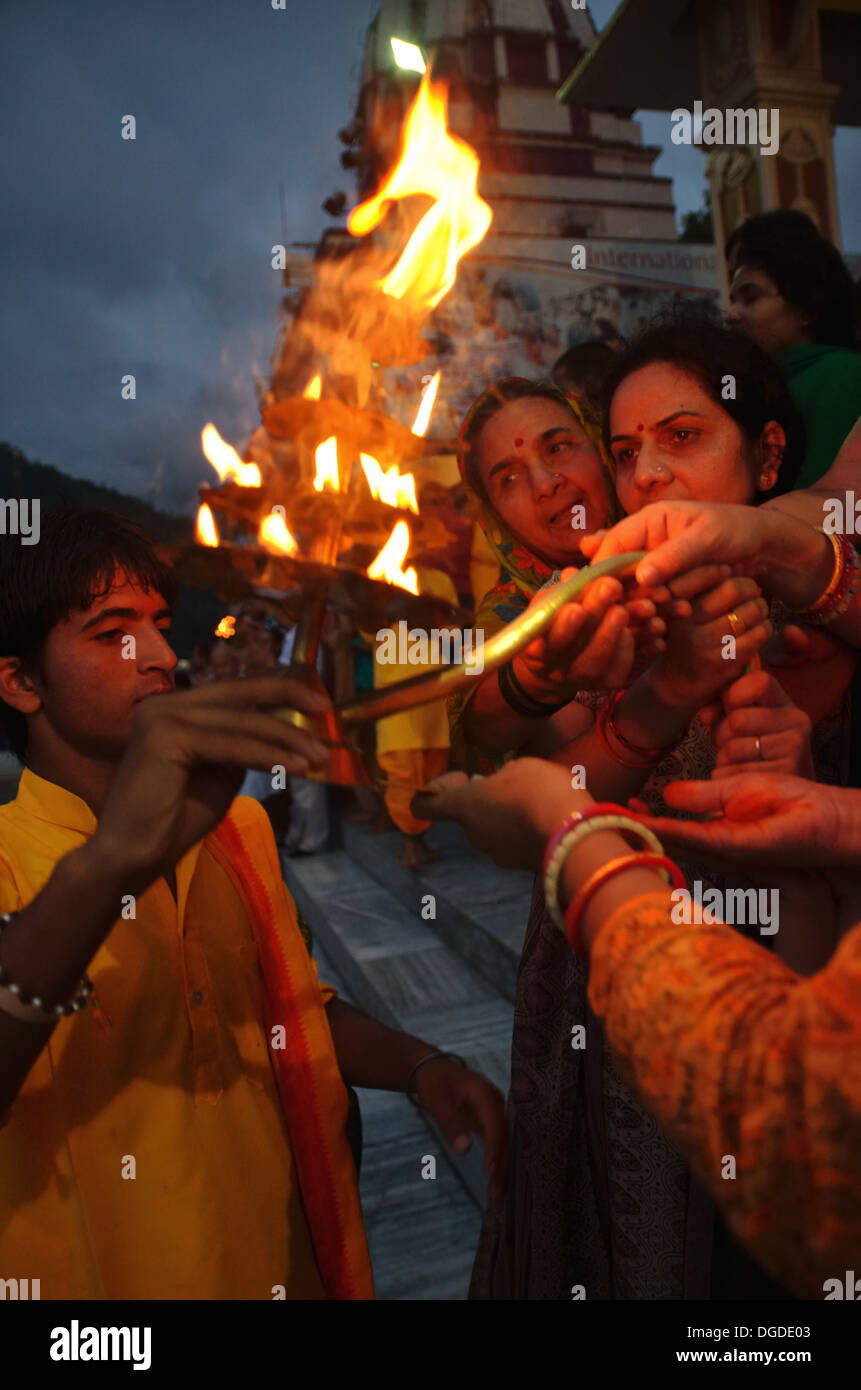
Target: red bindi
<point>640,428</point>
<point>518,442</point>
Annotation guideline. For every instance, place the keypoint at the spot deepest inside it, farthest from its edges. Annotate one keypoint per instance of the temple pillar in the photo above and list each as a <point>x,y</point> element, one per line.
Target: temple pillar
<point>765,54</point>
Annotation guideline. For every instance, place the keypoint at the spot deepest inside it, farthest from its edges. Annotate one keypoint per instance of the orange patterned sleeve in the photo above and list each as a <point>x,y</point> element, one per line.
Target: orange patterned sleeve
<point>741,1059</point>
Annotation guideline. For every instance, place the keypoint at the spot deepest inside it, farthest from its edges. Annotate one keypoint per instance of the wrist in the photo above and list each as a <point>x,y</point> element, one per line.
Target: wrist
<point>595,851</point>
<point>539,687</point>
<point>662,703</point>
<point>426,1070</point>
<point>843,849</point>
<point>799,561</point>
<point>551,811</point>
<point>107,863</point>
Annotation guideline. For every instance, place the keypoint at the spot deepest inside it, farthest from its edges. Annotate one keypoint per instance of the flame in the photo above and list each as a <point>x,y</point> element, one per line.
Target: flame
<point>314,389</point>
<point>425,410</point>
<point>440,166</point>
<point>275,537</point>
<point>408,56</point>
<point>205,528</point>
<point>394,488</point>
<point>227,627</point>
<point>388,563</point>
<point>326,459</point>
<point>225,460</point>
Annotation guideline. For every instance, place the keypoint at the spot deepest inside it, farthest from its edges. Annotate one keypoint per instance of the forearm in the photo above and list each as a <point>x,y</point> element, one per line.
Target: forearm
<point>647,719</point>
<point>711,1029</point>
<point>370,1054</point>
<point>814,571</point>
<point>493,727</point>
<point>489,725</point>
<point>47,947</point>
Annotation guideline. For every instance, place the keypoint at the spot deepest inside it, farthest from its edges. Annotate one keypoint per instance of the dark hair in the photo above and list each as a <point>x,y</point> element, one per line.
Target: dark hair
<point>72,565</point>
<point>807,269</point>
<point>583,368</point>
<point>485,406</point>
<point>693,341</point>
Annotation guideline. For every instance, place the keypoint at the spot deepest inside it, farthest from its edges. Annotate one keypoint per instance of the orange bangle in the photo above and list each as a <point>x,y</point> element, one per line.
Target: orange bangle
<point>603,875</point>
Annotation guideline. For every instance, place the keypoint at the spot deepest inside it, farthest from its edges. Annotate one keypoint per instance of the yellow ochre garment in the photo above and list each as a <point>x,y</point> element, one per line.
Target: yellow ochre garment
<point>150,1159</point>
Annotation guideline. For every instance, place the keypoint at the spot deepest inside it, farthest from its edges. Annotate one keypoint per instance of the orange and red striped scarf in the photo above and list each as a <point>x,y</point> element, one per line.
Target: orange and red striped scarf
<point>313,1095</point>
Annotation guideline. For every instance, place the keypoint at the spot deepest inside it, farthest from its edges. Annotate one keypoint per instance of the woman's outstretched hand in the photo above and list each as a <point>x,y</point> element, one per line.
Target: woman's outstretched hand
<point>761,820</point>
<point>509,815</point>
<point>681,536</point>
<point>587,645</point>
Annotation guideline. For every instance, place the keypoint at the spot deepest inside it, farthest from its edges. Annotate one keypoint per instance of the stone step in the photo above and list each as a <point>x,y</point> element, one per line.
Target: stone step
<point>401,972</point>
<point>481,910</point>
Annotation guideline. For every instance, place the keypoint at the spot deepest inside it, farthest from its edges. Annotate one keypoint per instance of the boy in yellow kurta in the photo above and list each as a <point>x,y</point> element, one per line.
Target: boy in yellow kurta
<point>180,1132</point>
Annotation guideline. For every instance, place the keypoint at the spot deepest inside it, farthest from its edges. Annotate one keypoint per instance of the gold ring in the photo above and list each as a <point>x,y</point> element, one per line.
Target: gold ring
<point>736,624</point>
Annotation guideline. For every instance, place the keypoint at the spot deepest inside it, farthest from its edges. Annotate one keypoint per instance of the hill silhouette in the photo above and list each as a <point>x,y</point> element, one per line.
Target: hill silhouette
<point>196,611</point>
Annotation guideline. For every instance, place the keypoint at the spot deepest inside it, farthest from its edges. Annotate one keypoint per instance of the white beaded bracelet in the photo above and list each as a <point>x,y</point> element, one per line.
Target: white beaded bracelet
<point>32,1009</point>
<point>579,832</point>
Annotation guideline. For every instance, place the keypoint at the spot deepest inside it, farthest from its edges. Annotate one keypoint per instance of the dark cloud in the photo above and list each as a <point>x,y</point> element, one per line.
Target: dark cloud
<point>153,256</point>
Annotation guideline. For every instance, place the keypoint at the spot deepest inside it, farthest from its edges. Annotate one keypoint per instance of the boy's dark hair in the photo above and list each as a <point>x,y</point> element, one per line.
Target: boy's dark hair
<point>72,565</point>
<point>692,340</point>
<point>807,269</point>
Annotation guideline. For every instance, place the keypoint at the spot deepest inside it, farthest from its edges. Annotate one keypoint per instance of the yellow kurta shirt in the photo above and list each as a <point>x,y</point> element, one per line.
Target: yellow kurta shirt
<point>150,1159</point>
<point>423,726</point>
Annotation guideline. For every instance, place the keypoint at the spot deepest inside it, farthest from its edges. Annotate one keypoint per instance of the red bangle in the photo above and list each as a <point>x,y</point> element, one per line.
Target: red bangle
<point>598,808</point>
<point>839,593</point>
<point>603,875</point>
<point>647,757</point>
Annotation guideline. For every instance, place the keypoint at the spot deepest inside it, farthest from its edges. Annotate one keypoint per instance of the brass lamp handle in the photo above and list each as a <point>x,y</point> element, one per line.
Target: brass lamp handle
<point>502,646</point>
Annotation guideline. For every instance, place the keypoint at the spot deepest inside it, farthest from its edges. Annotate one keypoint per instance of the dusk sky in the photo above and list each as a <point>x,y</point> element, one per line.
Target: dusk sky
<point>152,256</point>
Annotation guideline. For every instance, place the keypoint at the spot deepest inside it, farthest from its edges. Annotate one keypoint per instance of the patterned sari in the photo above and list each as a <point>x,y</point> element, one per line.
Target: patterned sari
<point>599,1204</point>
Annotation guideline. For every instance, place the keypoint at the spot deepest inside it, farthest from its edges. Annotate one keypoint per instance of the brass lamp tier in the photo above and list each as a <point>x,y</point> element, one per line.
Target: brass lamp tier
<point>306,588</point>
<point>346,766</point>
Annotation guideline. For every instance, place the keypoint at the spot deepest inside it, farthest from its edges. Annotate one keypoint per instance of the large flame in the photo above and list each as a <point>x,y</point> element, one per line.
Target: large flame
<point>326,460</point>
<point>394,488</point>
<point>389,562</point>
<point>438,165</point>
<point>425,410</point>
<point>225,460</point>
<point>226,627</point>
<point>205,528</point>
<point>275,537</point>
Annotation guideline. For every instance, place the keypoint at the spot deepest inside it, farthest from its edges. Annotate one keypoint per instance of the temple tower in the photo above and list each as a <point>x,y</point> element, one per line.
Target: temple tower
<point>548,170</point>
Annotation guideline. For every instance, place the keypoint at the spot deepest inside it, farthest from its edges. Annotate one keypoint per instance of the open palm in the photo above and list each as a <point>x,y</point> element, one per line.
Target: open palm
<point>763,820</point>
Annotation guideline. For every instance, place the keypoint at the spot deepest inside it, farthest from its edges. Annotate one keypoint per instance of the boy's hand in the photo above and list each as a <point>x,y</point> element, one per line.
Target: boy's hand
<point>462,1101</point>
<point>184,764</point>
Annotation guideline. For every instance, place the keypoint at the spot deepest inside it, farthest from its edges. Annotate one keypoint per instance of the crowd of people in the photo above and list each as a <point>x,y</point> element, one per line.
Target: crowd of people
<point>683,1115</point>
